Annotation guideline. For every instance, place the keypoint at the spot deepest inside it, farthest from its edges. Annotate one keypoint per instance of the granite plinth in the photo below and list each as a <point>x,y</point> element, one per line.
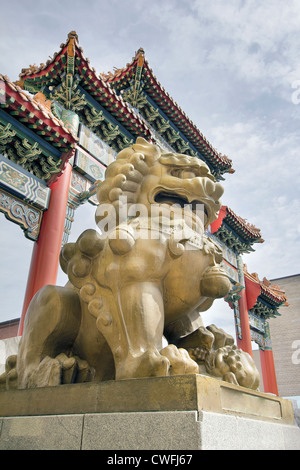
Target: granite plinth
<point>180,412</point>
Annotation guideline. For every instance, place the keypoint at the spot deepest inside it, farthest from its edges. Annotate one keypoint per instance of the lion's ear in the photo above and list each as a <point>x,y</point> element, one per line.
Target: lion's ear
<point>141,141</point>
<point>150,151</point>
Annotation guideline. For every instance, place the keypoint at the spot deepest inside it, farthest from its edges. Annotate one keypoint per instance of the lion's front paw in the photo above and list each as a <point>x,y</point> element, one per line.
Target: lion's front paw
<point>60,370</point>
<point>180,361</point>
<point>153,363</point>
<point>198,344</point>
<point>9,379</point>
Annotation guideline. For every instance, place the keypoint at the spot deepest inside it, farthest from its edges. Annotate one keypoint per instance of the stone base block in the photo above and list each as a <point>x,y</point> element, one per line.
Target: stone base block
<point>166,430</point>
<point>191,412</point>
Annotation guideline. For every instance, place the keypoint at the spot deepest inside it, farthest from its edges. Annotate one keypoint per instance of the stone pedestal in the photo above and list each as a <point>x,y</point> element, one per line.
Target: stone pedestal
<point>190,412</point>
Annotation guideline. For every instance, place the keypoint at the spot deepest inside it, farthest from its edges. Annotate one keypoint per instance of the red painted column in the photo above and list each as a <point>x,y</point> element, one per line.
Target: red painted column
<point>46,250</point>
<point>268,371</point>
<point>245,342</point>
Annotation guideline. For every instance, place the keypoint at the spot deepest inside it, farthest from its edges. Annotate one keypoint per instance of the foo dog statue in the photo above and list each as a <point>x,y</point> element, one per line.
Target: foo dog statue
<point>145,276</point>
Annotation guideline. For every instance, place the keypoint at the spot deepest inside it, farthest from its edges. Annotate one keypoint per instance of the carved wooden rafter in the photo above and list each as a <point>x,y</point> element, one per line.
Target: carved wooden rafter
<point>28,217</point>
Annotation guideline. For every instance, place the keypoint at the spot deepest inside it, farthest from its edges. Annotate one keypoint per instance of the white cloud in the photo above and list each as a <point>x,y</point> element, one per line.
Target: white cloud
<point>264,191</point>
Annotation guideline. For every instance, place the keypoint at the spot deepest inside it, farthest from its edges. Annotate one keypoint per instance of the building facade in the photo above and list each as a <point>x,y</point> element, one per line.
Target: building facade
<point>285,334</point>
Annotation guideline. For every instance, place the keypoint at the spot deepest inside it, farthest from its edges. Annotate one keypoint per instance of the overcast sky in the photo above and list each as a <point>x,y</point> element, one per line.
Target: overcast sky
<point>232,66</point>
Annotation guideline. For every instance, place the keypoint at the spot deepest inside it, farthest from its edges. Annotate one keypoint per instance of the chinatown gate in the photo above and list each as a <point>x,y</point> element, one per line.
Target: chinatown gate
<point>62,123</point>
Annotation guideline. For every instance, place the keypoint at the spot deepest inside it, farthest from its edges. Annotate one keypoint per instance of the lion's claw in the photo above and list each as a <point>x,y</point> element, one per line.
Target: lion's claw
<point>180,361</point>
<point>9,379</point>
<point>153,363</point>
<point>60,370</point>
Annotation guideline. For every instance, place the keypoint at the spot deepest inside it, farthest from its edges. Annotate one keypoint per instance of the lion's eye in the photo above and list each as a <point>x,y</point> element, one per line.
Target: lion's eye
<point>183,174</point>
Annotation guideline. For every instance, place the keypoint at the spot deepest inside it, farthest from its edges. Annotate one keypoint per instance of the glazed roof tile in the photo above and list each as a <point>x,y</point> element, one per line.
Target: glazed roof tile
<point>243,228</point>
<point>31,110</point>
<point>97,86</point>
<point>121,78</point>
<point>103,88</point>
<point>241,224</point>
<point>270,292</point>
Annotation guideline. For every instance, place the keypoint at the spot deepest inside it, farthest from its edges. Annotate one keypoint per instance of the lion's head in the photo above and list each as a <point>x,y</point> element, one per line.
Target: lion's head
<point>181,267</point>
<point>145,175</point>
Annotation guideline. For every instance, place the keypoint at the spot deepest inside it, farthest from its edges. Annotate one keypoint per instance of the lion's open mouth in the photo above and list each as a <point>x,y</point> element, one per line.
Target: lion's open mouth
<point>176,200</point>
<point>167,198</point>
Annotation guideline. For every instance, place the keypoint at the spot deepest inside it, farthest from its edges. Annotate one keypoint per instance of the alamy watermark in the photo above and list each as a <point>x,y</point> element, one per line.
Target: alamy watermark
<point>150,221</point>
<point>296,353</point>
<point>296,93</point>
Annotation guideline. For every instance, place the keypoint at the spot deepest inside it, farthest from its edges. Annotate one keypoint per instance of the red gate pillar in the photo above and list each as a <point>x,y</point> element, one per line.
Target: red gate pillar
<point>245,342</point>
<point>268,371</point>
<point>45,254</point>
<point>267,363</point>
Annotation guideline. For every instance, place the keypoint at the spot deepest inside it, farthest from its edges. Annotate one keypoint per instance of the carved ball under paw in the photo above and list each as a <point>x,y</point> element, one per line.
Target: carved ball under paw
<point>233,365</point>
<point>198,354</point>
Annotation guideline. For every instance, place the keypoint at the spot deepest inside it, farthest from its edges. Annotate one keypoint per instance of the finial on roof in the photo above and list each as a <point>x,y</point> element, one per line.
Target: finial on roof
<point>72,40</point>
<point>41,99</point>
<point>19,83</point>
<point>73,34</point>
<point>140,52</point>
<point>140,56</point>
<point>266,282</point>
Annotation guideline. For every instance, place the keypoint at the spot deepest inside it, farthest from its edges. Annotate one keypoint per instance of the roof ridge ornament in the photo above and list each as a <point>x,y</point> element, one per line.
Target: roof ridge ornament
<point>40,98</point>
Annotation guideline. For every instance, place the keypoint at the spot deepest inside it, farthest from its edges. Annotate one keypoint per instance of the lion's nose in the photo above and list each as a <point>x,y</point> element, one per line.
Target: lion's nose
<point>214,190</point>
<point>218,192</point>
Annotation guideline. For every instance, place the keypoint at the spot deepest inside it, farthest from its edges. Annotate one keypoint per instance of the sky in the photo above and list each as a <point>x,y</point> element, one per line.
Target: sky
<point>233,67</point>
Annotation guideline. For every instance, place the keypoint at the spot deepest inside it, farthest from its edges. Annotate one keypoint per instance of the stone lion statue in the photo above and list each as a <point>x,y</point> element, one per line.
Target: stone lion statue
<point>145,275</point>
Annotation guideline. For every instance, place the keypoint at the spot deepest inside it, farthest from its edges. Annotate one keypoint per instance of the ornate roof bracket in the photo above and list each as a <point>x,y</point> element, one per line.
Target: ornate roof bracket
<point>151,113</point>
<point>68,93</point>
<point>134,94</point>
<point>183,146</point>
<point>28,150</point>
<point>163,125</point>
<point>26,216</point>
<point>172,135</point>
<point>94,118</point>
<point>135,98</point>
<point>103,124</point>
<point>124,142</point>
<point>110,132</point>
<point>6,135</point>
<point>123,79</point>
<point>264,309</point>
<point>231,239</point>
